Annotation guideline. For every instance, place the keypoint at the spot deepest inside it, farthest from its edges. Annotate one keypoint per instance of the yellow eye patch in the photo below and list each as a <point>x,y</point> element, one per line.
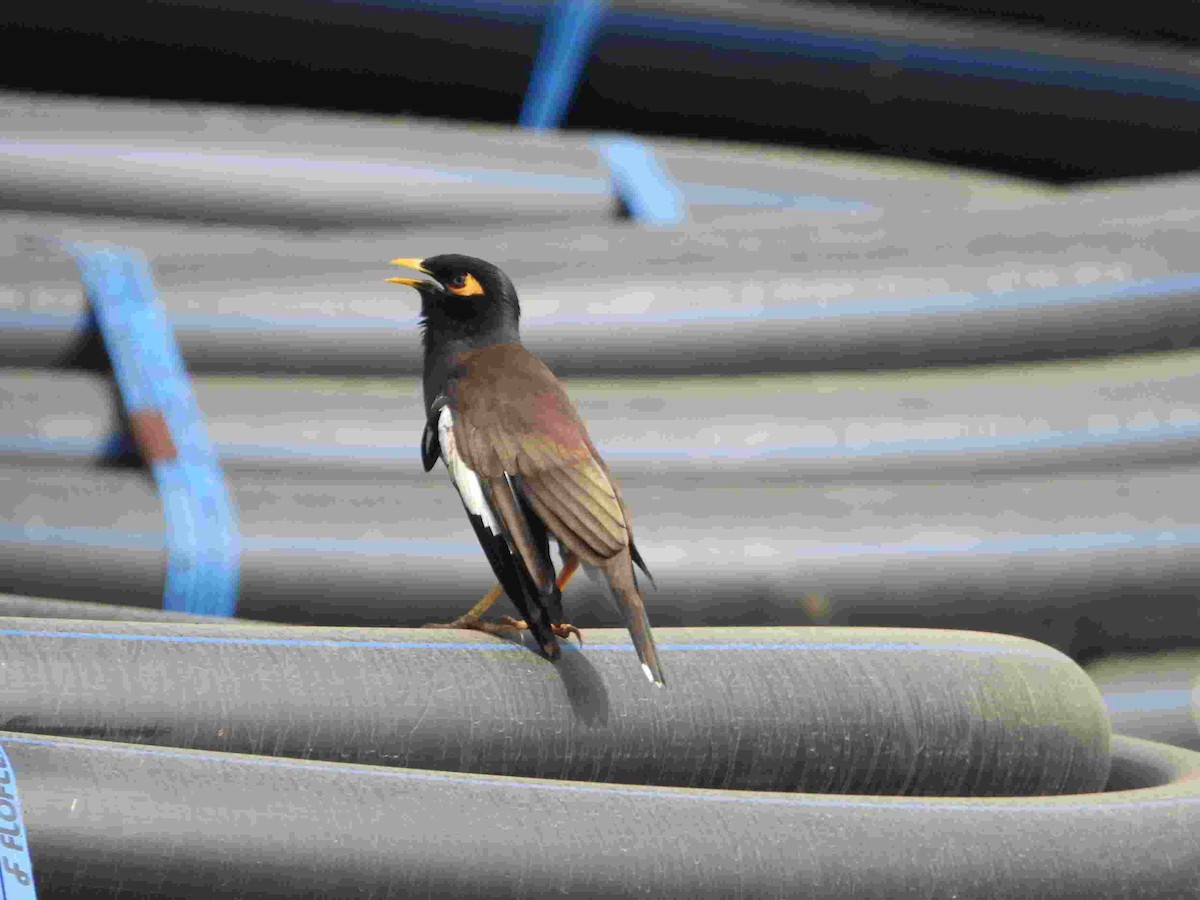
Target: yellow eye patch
<point>465,286</point>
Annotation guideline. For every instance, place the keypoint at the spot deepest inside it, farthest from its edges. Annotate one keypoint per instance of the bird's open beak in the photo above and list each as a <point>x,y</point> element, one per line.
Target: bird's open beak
<point>408,263</point>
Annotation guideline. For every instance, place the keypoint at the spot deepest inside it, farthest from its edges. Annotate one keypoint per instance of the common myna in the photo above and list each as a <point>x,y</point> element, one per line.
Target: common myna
<point>520,457</point>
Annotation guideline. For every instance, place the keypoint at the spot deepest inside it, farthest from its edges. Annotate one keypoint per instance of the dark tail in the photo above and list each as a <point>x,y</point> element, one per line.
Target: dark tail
<point>633,611</point>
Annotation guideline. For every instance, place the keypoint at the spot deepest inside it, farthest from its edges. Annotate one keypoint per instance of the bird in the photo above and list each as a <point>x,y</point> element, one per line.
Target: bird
<point>521,459</point>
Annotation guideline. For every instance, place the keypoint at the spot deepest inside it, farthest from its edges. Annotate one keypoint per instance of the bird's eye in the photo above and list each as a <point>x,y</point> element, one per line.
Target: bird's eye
<point>464,285</point>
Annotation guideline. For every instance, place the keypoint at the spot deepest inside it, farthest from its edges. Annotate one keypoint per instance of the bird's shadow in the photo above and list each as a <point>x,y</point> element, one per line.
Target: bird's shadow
<point>582,683</point>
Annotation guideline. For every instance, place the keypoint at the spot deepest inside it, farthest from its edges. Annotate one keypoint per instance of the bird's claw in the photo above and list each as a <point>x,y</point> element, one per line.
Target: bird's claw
<point>564,631</point>
<point>560,630</point>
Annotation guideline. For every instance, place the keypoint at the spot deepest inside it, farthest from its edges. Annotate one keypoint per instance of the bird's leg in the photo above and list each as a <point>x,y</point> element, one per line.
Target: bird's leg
<point>485,604</point>
<point>473,618</point>
<point>560,629</point>
<point>570,567</point>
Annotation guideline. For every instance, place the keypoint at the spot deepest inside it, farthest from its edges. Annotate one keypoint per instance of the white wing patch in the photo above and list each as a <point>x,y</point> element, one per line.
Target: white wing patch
<point>465,480</point>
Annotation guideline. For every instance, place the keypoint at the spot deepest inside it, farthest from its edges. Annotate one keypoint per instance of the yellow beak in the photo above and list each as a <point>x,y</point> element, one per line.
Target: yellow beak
<point>408,263</point>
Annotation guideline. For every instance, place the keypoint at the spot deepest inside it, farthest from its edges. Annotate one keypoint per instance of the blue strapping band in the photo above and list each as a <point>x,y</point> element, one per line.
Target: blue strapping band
<point>203,544</point>
<point>641,181</point>
<point>638,178</point>
<point>16,866</point>
<point>571,27</point>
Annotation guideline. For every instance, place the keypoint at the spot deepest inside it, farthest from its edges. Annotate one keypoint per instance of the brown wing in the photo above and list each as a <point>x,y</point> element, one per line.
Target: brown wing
<point>512,417</point>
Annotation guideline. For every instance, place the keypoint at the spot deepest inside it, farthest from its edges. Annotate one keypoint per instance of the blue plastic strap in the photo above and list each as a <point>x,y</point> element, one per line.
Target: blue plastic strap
<point>203,552</point>
<point>570,29</point>
<point>640,180</point>
<point>16,866</point>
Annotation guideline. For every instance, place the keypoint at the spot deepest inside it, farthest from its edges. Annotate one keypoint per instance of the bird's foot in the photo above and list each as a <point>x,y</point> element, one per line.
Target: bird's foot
<point>506,625</point>
<point>565,630</point>
<point>559,630</point>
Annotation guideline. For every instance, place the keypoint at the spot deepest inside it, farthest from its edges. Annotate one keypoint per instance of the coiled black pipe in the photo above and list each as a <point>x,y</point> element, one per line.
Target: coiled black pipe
<point>13,605</point>
<point>868,711</point>
<point>1025,99</point>
<point>1083,561</point>
<point>926,290</point>
<point>1153,695</point>
<point>114,820</point>
<point>1132,410</point>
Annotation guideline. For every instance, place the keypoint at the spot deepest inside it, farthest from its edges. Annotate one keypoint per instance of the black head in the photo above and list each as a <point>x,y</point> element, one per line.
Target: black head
<point>470,304</point>
<point>466,295</point>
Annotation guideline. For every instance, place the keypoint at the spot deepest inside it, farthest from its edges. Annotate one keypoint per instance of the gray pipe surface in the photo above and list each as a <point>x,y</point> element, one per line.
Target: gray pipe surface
<point>13,605</point>
<point>114,820</point>
<point>312,169</point>
<point>1153,695</point>
<point>739,294</point>
<point>1084,560</point>
<point>911,85</point>
<point>860,711</point>
<point>1062,415</point>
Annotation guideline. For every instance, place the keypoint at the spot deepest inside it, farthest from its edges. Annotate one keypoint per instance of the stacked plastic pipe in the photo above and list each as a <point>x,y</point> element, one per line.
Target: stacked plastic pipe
<point>791,457</point>
<point>919,85</point>
<point>1153,695</point>
<point>274,761</point>
<point>1048,499</point>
